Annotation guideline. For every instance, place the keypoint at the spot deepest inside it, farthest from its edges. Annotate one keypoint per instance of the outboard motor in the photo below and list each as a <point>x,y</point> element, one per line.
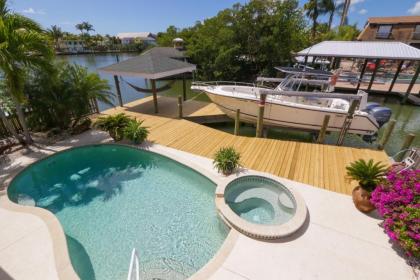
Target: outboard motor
<point>370,106</point>
<point>381,114</point>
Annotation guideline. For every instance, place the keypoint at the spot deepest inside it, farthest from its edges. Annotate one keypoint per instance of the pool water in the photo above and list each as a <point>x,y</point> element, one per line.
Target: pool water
<point>111,199</point>
<point>260,200</point>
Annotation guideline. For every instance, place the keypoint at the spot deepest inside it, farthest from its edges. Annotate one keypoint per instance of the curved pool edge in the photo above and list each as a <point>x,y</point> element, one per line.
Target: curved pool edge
<point>260,231</point>
<point>64,267</point>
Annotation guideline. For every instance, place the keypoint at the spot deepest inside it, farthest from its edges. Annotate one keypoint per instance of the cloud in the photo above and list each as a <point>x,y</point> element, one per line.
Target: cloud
<point>32,11</point>
<point>415,10</point>
<point>363,12</point>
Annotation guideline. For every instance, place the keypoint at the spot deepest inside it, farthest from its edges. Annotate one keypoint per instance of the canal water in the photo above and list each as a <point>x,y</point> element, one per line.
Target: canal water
<point>407,116</point>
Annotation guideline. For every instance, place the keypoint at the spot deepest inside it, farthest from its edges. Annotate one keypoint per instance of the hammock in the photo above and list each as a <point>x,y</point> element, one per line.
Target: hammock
<point>148,90</point>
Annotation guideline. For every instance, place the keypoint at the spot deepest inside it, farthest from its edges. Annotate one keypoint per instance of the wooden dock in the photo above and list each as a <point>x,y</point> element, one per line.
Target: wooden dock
<point>319,165</point>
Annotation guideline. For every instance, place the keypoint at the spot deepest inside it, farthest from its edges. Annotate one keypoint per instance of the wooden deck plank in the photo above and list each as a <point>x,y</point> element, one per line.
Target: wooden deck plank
<point>319,165</point>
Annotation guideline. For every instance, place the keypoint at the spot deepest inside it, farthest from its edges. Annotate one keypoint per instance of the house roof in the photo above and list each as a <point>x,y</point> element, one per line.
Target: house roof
<point>357,49</point>
<point>394,20</point>
<point>135,35</point>
<point>156,63</point>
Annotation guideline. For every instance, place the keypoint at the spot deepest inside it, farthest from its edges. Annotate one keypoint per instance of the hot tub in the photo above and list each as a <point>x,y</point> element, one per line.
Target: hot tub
<point>261,207</point>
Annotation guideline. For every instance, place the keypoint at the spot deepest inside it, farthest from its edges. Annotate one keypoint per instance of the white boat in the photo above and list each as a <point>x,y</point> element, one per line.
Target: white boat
<point>285,107</point>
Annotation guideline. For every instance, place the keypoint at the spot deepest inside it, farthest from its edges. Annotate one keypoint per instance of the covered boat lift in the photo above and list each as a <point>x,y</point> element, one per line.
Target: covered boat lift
<point>154,64</point>
<point>374,51</point>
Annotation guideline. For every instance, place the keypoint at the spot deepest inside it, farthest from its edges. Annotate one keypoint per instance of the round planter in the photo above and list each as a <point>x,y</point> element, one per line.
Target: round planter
<point>361,199</point>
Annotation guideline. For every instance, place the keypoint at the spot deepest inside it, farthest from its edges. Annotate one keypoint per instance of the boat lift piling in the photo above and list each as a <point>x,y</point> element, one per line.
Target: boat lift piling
<point>323,131</point>
<point>180,114</point>
<point>407,143</point>
<point>387,134</point>
<point>260,121</point>
<point>237,121</point>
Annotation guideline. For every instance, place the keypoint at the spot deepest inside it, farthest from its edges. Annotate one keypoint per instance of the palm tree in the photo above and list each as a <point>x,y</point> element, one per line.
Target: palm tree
<point>56,34</point>
<point>331,7</point>
<point>88,26</point>
<point>346,6</point>
<point>80,27</point>
<point>312,8</point>
<point>23,45</point>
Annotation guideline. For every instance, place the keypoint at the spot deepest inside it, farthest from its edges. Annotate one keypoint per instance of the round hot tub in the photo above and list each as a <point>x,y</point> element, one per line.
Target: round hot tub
<point>261,207</point>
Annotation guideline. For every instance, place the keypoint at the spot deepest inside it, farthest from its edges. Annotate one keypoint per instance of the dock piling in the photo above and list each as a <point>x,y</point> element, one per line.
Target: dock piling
<point>237,121</point>
<point>180,107</point>
<point>407,143</point>
<point>387,134</point>
<point>323,131</point>
<point>260,120</point>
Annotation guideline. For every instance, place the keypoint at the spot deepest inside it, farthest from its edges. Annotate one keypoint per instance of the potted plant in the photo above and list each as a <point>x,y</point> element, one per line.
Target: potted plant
<point>226,160</point>
<point>135,132</point>
<point>369,174</point>
<point>114,125</point>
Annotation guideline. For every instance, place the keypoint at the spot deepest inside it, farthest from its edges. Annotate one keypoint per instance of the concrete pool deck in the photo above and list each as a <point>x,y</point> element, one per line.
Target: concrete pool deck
<point>336,242</point>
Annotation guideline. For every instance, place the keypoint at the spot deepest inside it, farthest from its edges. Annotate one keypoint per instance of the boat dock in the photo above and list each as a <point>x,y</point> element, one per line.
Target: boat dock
<point>322,166</point>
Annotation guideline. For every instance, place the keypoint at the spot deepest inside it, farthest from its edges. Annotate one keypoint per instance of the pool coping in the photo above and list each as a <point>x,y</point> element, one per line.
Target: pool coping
<point>260,231</point>
<point>63,265</point>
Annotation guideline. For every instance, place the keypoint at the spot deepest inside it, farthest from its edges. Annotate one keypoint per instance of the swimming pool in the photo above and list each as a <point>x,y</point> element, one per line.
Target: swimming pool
<point>110,199</point>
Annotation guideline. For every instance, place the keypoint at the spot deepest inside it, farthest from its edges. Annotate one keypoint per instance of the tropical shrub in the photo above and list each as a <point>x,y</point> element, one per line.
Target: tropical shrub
<point>398,202</point>
<point>61,97</point>
<point>114,125</point>
<point>369,174</point>
<point>135,132</point>
<point>226,160</point>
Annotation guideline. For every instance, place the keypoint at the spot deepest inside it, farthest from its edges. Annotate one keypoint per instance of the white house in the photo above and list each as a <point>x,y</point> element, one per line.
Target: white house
<point>72,46</point>
<point>137,37</point>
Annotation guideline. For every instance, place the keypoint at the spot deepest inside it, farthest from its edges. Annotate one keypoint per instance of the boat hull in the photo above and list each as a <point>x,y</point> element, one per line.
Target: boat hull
<point>289,116</point>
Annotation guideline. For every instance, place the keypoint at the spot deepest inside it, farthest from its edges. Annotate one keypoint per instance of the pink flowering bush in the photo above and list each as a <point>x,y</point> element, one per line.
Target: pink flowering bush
<point>398,202</point>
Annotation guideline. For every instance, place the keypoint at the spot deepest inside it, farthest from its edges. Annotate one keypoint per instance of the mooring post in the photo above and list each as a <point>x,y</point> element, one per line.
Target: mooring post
<point>237,121</point>
<point>387,134</point>
<point>117,86</point>
<point>179,106</point>
<point>323,131</point>
<point>347,122</point>
<point>407,143</point>
<point>260,121</point>
<point>184,87</point>
<point>154,92</point>
<point>412,83</point>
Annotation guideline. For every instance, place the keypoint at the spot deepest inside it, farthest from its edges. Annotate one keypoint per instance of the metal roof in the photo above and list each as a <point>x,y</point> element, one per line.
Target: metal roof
<point>136,35</point>
<point>156,63</point>
<point>356,49</point>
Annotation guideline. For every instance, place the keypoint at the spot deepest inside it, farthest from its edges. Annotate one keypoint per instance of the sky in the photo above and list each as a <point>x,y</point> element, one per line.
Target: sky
<point>114,16</point>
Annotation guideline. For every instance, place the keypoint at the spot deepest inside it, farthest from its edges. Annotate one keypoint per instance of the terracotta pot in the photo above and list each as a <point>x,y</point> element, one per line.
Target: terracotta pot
<point>361,199</point>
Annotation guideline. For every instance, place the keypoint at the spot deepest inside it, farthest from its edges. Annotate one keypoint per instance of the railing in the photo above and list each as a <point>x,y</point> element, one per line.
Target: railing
<point>14,120</point>
<point>134,268</point>
<point>227,83</point>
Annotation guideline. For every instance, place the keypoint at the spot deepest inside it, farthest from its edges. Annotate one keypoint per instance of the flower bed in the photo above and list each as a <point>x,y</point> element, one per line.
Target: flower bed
<point>398,202</point>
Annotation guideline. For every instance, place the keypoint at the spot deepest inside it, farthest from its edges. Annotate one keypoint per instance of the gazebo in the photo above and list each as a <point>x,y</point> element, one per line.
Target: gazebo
<point>154,64</point>
<point>374,51</point>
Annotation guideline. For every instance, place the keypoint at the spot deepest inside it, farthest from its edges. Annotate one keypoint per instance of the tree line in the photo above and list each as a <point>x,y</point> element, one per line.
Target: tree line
<point>247,40</point>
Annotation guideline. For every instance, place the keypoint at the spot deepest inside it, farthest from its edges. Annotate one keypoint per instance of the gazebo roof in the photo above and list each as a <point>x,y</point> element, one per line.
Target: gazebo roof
<point>357,49</point>
<point>156,63</point>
